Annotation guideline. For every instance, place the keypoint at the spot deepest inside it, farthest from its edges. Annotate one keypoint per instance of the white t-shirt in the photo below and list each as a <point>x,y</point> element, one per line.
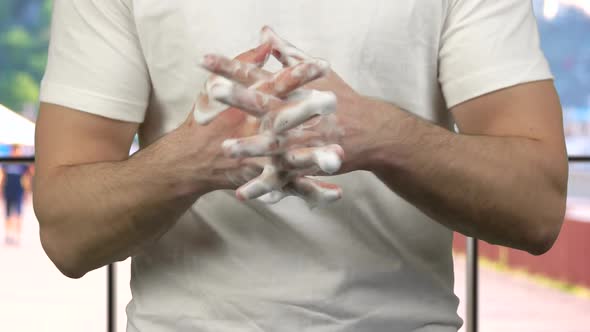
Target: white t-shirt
<point>370,262</point>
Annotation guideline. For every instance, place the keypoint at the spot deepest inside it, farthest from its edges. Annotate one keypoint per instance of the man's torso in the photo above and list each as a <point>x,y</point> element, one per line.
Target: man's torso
<point>370,262</point>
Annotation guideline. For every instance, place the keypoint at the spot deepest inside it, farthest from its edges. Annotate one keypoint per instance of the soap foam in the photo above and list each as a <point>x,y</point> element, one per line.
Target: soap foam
<point>328,161</point>
<point>305,106</point>
<point>328,158</point>
<point>252,146</point>
<point>316,103</point>
<point>207,109</point>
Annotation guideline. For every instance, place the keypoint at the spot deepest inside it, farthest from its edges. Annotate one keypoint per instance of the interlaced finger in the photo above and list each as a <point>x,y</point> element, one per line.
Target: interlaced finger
<point>267,144</point>
<point>243,72</point>
<point>271,179</point>
<point>252,146</point>
<point>314,192</point>
<point>316,103</point>
<point>285,52</point>
<point>250,101</point>
<point>206,109</point>
<point>290,79</point>
<point>327,158</point>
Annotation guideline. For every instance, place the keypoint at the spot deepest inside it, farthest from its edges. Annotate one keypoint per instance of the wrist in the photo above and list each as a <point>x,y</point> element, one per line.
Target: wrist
<point>380,129</point>
<point>198,168</point>
<point>402,140</point>
<point>162,171</point>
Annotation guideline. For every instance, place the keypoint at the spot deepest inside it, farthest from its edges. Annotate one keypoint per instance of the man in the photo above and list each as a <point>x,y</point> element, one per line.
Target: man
<point>379,259</point>
<point>14,179</point>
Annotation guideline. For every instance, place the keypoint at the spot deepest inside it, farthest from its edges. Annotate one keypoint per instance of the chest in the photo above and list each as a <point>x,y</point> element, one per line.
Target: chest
<point>325,28</point>
<point>383,48</point>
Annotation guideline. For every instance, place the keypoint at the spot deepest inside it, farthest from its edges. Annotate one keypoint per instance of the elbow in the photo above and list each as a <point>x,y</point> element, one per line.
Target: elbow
<point>64,260</point>
<point>69,272</point>
<point>544,234</point>
<point>55,242</point>
<point>541,245</point>
<point>549,214</point>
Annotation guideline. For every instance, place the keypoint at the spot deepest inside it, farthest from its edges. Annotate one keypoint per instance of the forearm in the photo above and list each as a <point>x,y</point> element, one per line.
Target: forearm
<point>94,214</point>
<point>501,189</point>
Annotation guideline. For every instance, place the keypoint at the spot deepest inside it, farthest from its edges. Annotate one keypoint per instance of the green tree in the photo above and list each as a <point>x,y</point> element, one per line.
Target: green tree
<point>24,38</point>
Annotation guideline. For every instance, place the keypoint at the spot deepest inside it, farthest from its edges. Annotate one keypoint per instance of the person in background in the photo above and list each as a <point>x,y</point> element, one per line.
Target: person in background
<point>15,180</point>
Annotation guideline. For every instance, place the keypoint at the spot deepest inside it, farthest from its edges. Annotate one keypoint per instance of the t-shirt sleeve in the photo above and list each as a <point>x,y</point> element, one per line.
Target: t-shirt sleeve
<point>95,62</point>
<point>487,45</point>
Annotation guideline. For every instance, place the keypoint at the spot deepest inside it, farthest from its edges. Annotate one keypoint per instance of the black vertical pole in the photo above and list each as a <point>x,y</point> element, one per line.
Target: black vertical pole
<point>111,299</point>
<point>472,321</point>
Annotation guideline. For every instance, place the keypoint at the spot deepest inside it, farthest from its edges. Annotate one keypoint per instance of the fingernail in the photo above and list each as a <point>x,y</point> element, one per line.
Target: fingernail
<point>265,31</point>
<point>207,61</point>
<point>266,34</point>
<point>240,196</point>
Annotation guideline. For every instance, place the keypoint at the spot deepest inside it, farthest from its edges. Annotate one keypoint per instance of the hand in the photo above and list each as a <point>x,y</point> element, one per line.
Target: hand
<point>286,111</point>
<point>357,125</point>
<point>195,151</point>
<point>269,171</point>
<point>350,103</point>
<point>362,122</point>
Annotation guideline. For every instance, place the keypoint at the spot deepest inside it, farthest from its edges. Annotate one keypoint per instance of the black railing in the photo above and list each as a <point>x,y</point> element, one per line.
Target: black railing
<point>472,288</point>
<point>111,298</point>
<point>472,305</point>
<point>17,160</point>
<point>576,159</point>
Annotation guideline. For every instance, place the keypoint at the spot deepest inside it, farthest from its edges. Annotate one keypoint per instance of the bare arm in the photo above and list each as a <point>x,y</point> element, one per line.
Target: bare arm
<point>96,205</point>
<point>503,179</point>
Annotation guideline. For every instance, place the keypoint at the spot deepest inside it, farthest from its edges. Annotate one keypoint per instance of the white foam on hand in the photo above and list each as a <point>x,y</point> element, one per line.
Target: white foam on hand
<point>305,109</point>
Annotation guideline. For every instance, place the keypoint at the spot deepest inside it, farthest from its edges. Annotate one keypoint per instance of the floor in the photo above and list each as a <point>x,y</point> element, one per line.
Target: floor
<point>35,297</point>
<point>511,303</point>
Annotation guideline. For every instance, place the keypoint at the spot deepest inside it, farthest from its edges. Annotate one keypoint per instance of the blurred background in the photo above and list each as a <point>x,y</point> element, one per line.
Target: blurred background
<point>518,292</point>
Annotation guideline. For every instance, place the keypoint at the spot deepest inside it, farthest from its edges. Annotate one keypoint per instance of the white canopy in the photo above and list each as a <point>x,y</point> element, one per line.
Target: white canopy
<point>15,129</point>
